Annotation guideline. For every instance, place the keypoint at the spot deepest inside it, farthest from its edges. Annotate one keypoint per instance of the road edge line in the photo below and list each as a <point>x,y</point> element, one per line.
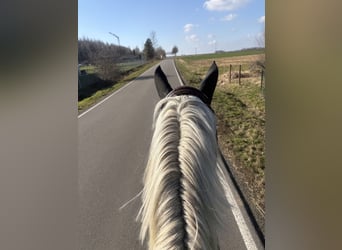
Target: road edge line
<point>249,212</point>
<point>179,78</point>
<point>112,94</point>
<point>105,99</point>
<point>237,213</point>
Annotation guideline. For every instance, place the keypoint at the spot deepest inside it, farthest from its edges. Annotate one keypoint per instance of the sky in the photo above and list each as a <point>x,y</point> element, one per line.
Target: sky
<point>194,26</point>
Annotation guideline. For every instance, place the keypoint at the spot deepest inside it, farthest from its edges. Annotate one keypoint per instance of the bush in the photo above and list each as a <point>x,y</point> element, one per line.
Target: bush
<point>108,71</point>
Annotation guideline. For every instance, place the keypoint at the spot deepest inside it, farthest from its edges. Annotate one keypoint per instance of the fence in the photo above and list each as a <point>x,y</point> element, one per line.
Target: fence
<point>240,75</point>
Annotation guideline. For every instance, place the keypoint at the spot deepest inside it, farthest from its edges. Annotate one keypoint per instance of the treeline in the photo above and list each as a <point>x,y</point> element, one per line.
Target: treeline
<point>92,51</point>
<point>105,57</point>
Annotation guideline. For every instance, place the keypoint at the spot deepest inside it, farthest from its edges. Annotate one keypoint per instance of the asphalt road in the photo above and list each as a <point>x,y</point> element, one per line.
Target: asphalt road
<point>114,139</point>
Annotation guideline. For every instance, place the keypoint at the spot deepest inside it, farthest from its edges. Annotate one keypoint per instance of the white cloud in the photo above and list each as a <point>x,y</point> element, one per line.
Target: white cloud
<point>221,5</point>
<point>192,38</point>
<point>212,39</point>
<point>261,19</point>
<point>229,17</point>
<point>188,27</point>
<point>212,42</point>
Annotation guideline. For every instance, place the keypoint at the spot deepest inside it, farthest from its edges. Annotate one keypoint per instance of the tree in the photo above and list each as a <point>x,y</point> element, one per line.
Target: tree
<point>174,50</point>
<point>148,49</point>
<point>261,61</point>
<point>260,39</point>
<point>136,51</point>
<point>153,38</point>
<point>160,53</point>
<point>108,70</point>
<point>91,51</point>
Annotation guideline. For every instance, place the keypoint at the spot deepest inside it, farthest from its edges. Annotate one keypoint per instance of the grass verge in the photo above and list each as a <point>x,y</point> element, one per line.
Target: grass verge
<point>240,112</point>
<point>112,87</point>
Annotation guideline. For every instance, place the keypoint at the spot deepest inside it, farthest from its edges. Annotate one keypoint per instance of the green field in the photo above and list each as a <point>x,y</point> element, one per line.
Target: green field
<point>224,54</point>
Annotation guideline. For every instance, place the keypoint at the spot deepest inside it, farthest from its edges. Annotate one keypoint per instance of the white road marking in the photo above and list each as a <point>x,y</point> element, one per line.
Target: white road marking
<point>240,221</point>
<point>98,104</point>
<point>180,80</point>
<point>245,233</point>
<point>104,100</point>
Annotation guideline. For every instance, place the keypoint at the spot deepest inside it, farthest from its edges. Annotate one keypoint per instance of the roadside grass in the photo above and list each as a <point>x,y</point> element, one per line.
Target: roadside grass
<point>107,88</point>
<point>123,67</point>
<point>127,66</point>
<point>90,69</point>
<point>241,119</point>
<point>240,112</point>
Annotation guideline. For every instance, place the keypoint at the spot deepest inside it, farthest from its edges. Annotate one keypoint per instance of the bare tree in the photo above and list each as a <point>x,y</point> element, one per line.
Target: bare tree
<point>261,62</point>
<point>108,69</point>
<point>92,51</point>
<point>153,38</point>
<point>160,53</point>
<point>261,40</point>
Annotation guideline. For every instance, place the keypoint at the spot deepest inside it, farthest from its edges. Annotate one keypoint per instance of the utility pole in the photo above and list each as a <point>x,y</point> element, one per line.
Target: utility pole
<point>117,37</point>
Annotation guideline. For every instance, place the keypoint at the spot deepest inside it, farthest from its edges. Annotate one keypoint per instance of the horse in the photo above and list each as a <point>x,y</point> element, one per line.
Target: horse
<point>183,199</point>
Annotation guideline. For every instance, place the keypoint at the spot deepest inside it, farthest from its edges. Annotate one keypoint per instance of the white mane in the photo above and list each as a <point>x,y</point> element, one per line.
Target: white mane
<point>183,197</point>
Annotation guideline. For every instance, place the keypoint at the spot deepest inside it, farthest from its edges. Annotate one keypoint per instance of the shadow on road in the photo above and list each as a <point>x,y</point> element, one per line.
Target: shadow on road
<point>141,78</point>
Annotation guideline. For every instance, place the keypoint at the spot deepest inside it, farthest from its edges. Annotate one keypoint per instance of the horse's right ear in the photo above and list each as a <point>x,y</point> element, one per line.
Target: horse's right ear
<point>208,84</point>
<point>162,84</point>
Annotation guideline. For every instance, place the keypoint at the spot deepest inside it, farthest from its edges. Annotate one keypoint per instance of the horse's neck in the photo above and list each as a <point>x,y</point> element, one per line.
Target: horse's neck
<point>183,196</point>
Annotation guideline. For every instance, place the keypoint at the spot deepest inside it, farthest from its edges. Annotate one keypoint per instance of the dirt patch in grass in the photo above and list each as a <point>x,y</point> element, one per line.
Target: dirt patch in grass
<point>240,111</point>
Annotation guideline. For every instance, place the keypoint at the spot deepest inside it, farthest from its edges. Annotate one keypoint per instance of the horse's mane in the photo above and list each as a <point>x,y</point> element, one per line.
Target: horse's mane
<point>183,198</point>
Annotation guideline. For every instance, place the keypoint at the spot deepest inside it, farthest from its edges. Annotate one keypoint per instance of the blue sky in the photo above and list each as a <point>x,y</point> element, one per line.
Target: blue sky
<point>194,26</point>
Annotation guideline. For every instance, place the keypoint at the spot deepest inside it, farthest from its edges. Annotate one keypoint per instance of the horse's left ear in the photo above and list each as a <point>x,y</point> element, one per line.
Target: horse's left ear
<point>162,84</point>
<point>208,84</point>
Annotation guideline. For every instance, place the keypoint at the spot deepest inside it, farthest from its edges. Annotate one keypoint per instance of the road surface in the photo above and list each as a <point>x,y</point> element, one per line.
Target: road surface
<point>114,139</point>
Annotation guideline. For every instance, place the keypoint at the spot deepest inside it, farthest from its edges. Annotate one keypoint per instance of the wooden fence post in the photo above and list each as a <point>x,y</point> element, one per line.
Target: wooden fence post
<point>262,78</point>
<point>240,75</point>
<point>230,73</point>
